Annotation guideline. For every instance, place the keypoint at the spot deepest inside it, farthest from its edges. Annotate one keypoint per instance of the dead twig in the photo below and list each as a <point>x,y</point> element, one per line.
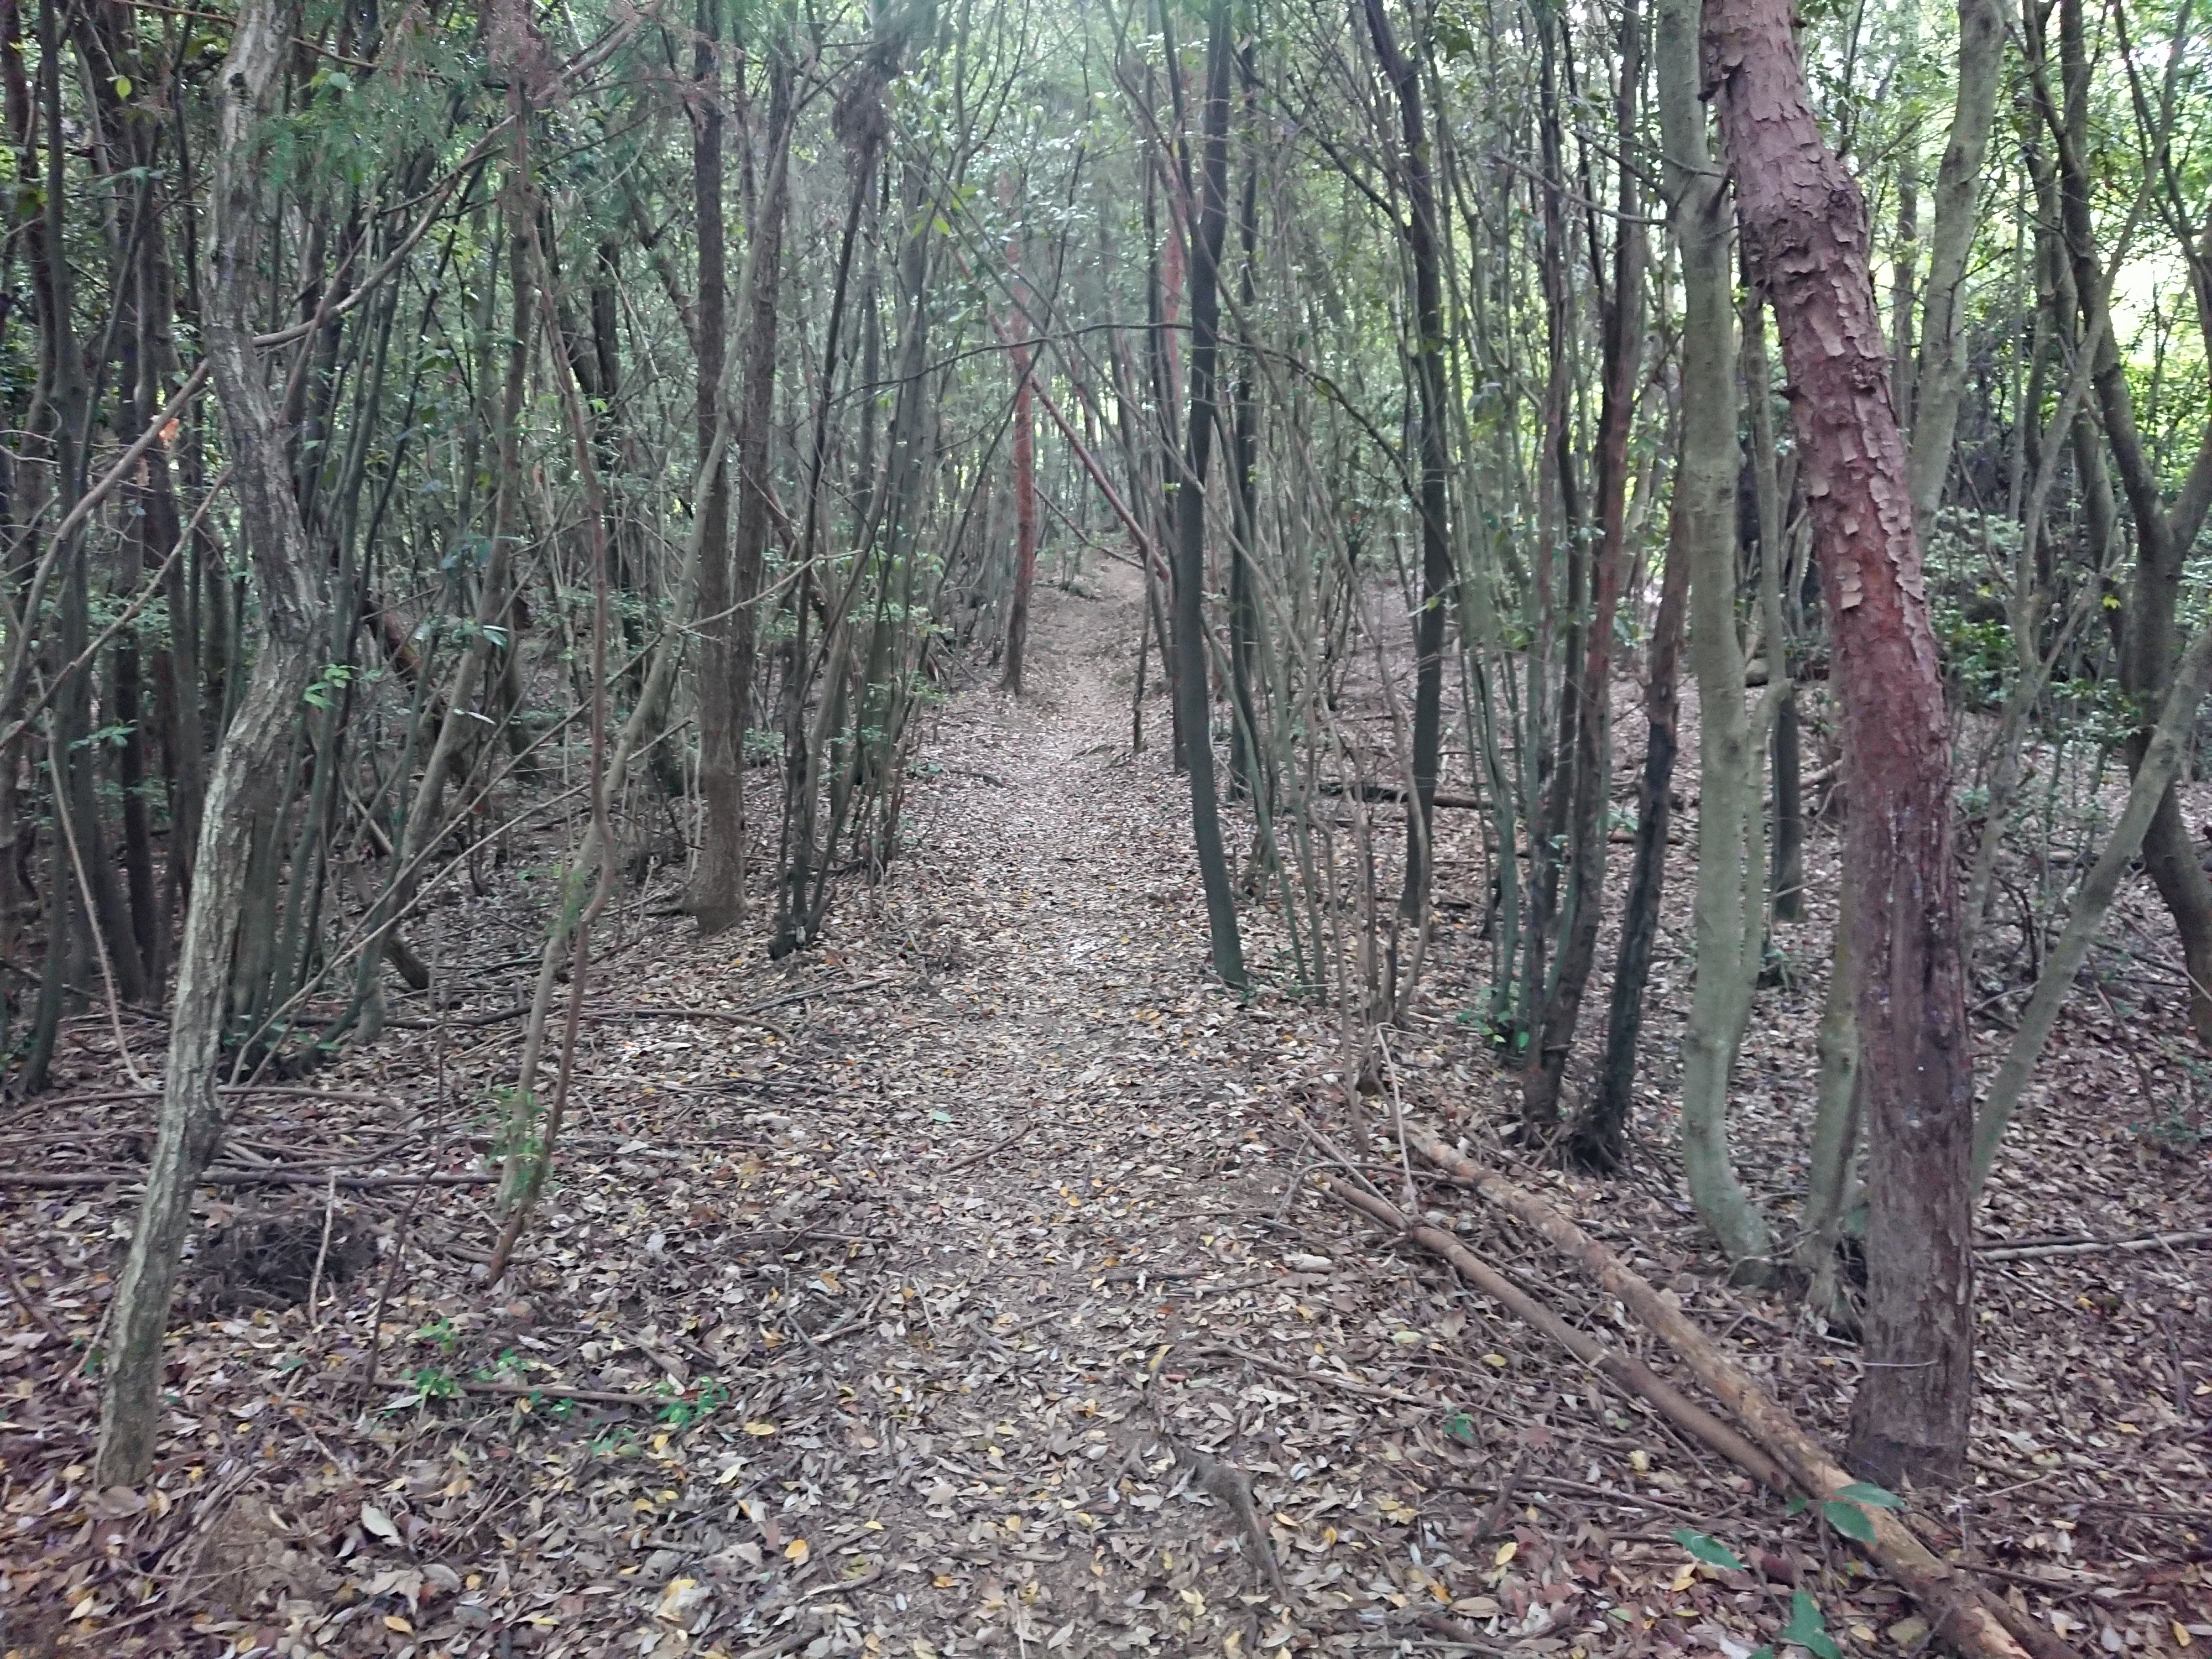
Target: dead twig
<point>991,1150</point>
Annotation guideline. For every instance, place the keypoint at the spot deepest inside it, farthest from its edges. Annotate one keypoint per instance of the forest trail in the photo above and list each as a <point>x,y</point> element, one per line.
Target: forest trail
<point>1033,1207</point>
<point>1064,1123</point>
<point>903,1298</point>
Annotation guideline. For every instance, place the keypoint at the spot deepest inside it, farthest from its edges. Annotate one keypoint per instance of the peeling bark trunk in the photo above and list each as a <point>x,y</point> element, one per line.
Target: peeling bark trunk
<point>1805,230</point>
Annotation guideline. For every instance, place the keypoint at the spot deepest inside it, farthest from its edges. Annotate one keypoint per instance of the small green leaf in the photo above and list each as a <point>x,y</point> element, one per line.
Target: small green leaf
<point>1849,1520</point>
<point>1808,1629</point>
<point>1859,1492</point>
<point>1797,1506</point>
<point>1708,1549</point>
<point>122,86</point>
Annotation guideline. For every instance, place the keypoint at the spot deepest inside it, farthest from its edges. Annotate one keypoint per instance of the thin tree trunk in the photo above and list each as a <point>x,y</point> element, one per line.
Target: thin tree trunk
<point>1726,925</point>
<point>1190,509</point>
<point>730,630</point>
<point>247,788</point>
<point>1599,1140</point>
<point>1836,1122</point>
<point>1025,462</point>
<point>720,757</point>
<point>1788,863</point>
<point>2164,754</point>
<point>1805,227</point>
<point>1943,374</point>
<point>1593,774</point>
<point>2164,532</point>
<point>1437,574</point>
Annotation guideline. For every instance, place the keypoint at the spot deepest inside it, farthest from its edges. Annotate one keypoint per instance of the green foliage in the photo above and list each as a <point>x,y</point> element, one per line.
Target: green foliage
<point>435,1382</point>
<point>708,1395</point>
<point>1844,1511</point>
<point>1808,1628</point>
<point>1707,1549</point>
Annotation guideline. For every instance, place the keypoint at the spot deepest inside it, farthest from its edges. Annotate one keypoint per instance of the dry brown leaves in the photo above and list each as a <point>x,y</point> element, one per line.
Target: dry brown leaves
<point>875,1327</point>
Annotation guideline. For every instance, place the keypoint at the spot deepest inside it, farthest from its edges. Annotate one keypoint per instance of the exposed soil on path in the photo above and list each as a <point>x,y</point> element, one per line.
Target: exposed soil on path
<point>911,1297</point>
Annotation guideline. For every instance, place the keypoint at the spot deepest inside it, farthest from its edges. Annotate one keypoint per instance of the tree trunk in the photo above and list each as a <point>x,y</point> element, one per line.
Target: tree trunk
<point>1247,767</point>
<point>1788,863</point>
<point>1427,356</point>
<point>720,744</point>
<point>1190,509</point>
<point>2164,532</point>
<point>1942,371</point>
<point>1837,1119</point>
<point>1805,230</point>
<point>1726,923</point>
<point>1025,529</point>
<point>1599,1140</point>
<point>1593,770</point>
<point>247,788</point>
<point>728,626</point>
<point>2163,753</point>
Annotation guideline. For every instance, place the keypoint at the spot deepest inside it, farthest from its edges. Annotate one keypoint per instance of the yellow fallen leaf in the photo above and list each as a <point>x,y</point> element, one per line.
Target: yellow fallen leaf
<point>760,1428</point>
<point>1497,1360</point>
<point>1506,1551</point>
<point>1685,1575</point>
<point>2182,1638</point>
<point>944,1581</point>
<point>392,1621</point>
<point>795,1552</point>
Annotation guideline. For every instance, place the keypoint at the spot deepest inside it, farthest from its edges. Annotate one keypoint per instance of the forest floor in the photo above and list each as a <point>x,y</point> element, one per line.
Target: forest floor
<point>899,1297</point>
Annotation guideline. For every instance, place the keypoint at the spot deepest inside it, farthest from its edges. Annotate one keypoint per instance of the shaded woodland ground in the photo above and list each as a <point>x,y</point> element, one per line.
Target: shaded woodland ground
<point>912,1296</point>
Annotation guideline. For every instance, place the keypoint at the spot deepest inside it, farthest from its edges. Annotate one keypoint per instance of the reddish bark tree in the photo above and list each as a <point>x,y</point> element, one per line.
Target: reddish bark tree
<point>1804,226</point>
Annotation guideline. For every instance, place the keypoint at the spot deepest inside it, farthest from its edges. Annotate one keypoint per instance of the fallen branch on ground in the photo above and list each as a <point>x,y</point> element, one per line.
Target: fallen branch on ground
<point>995,1147</point>
<point>2090,1245</point>
<point>1961,1611</point>
<point>1628,1373</point>
<point>1391,792</point>
<point>35,1181</point>
<point>588,1396</point>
